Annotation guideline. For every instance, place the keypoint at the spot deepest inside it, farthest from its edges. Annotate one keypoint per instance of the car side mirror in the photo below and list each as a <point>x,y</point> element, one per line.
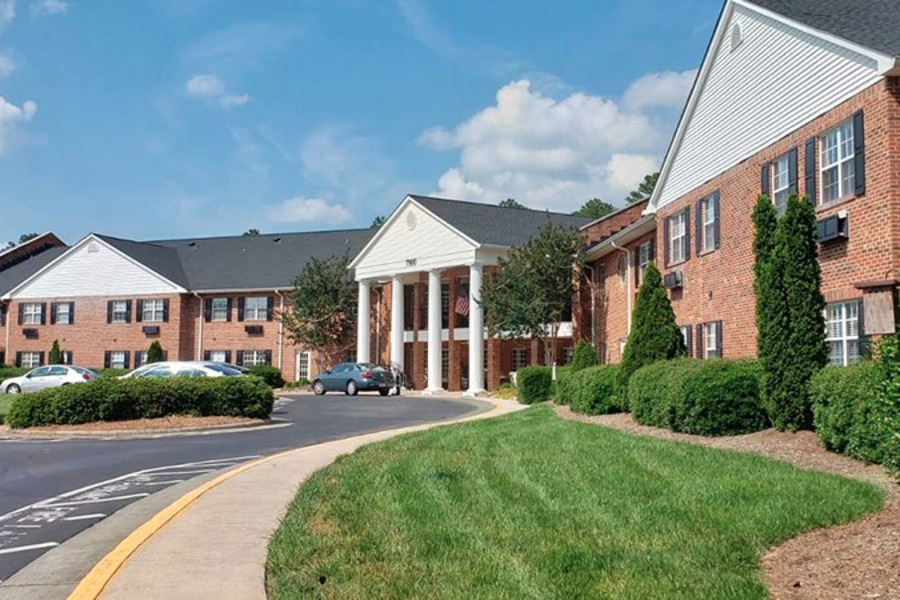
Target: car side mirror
<point>328,372</point>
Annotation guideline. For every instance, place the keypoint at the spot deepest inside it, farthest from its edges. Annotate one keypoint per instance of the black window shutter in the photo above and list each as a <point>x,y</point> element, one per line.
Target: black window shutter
<point>19,359</point>
<point>2,318</point>
<point>107,359</point>
<point>810,170</point>
<point>239,359</point>
<point>637,266</point>
<point>268,357</point>
<point>687,233</point>
<point>139,311</point>
<point>43,313</point>
<point>165,355</point>
<point>859,152</point>
<point>127,362</point>
<point>67,357</point>
<point>719,349</point>
<point>666,233</point>
<point>228,310</point>
<point>165,310</point>
<point>71,313</point>
<point>207,310</point>
<point>53,313</point>
<point>137,359</point>
<point>240,309</point>
<point>21,314</point>
<point>109,311</point>
<point>270,303</point>
<point>128,311</point>
<point>228,356</point>
<point>718,225</point>
<point>689,340</point>
<point>653,249</point>
<point>40,359</point>
<point>698,226</point>
<point>699,341</point>
<point>206,355</point>
<point>792,171</point>
<point>764,179</point>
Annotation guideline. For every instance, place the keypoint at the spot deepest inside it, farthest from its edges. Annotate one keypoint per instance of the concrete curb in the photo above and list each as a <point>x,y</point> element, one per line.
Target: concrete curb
<point>136,433</point>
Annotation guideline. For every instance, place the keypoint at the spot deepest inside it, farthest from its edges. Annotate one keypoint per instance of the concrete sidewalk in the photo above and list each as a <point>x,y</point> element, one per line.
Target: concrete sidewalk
<point>217,547</point>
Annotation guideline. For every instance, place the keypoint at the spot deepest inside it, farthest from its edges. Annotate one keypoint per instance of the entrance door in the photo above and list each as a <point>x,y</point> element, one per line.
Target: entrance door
<point>302,365</point>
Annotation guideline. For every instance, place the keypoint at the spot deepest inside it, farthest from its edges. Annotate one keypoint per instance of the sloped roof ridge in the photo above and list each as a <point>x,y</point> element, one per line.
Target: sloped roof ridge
<point>539,211</point>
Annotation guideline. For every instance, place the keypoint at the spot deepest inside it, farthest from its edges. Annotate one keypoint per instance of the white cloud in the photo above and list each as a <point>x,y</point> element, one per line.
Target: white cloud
<point>7,13</point>
<point>12,116</point>
<point>664,90</point>
<point>549,153</point>
<point>7,64</point>
<point>243,46</point>
<point>336,157</point>
<point>49,8</point>
<point>308,210</point>
<point>210,86</point>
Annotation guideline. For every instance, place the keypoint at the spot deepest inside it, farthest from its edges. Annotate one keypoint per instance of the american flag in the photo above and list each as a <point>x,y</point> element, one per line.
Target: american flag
<point>462,303</point>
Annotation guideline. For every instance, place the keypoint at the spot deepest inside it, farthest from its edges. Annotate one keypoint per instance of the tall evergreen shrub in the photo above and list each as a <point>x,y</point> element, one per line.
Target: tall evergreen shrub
<point>155,353</point>
<point>585,356</point>
<point>56,357</point>
<point>654,335</point>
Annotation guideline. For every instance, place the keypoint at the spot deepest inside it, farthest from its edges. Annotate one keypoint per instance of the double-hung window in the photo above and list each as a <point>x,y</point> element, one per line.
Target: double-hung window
<point>32,313</point>
<point>118,359</point>
<point>686,331</point>
<point>153,311</point>
<point>709,223</point>
<point>119,311</point>
<point>62,313</point>
<point>253,358</point>
<point>780,183</point>
<point>711,340</point>
<point>519,358</point>
<point>837,165</point>
<point>843,332</point>
<point>219,356</point>
<point>219,309</point>
<point>678,238</point>
<point>256,308</point>
<point>30,360</point>
<point>645,255</point>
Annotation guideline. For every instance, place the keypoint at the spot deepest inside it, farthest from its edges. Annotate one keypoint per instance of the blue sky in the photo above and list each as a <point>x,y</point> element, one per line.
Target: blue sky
<point>176,118</point>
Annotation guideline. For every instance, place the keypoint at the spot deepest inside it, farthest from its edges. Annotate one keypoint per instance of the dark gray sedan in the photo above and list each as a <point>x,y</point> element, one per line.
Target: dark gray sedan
<point>352,378</point>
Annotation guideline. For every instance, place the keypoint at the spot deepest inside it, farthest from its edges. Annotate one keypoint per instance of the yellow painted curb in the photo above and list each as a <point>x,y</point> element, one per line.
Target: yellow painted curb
<point>93,584</point>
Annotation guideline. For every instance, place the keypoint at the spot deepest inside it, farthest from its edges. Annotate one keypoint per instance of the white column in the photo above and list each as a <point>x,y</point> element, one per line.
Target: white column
<point>363,315</point>
<point>434,332</point>
<point>476,332</point>
<point>397,311</point>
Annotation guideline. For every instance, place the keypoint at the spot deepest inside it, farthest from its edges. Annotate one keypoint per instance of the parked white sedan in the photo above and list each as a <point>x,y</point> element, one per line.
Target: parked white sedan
<point>46,377</point>
<point>181,369</point>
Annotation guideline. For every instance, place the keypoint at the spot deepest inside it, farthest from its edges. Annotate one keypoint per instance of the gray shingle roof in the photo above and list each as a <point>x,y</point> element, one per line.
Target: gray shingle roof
<point>496,225</point>
<point>19,272</point>
<point>261,262</point>
<point>874,24</point>
<point>161,259</point>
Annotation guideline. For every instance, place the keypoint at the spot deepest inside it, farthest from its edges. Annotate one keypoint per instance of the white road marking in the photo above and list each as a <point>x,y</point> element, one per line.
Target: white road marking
<point>197,472</point>
<point>98,500</point>
<point>85,517</point>
<point>27,548</point>
<point>23,526</point>
<point>167,482</point>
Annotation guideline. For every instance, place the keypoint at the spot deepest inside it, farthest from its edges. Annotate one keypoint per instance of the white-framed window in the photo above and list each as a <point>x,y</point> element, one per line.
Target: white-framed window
<point>140,358</point>
<point>303,361</point>
<point>686,334</point>
<point>710,217</point>
<point>63,312</point>
<point>781,183</point>
<point>32,313</point>
<point>153,311</point>
<point>836,163</point>
<point>843,332</point>
<point>30,360</point>
<point>253,358</point>
<point>219,356</point>
<point>519,358</point>
<point>644,257</point>
<point>118,359</point>
<point>219,309</point>
<point>711,340</point>
<point>119,311</point>
<point>256,308</point>
<point>678,238</point>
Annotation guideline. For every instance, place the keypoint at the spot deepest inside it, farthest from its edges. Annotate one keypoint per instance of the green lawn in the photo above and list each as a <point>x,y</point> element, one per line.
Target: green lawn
<point>532,506</point>
<point>5,402</point>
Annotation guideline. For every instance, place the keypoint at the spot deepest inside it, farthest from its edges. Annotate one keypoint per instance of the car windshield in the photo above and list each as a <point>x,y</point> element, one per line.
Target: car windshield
<point>221,368</point>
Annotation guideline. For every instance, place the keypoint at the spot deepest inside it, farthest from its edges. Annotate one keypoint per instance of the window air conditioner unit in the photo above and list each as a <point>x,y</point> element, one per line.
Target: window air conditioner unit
<point>30,334</point>
<point>674,280</point>
<point>253,329</point>
<point>150,330</point>
<point>832,228</point>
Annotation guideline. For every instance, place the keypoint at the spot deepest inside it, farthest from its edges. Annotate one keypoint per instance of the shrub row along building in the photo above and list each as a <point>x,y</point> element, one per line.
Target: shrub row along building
<point>793,97</point>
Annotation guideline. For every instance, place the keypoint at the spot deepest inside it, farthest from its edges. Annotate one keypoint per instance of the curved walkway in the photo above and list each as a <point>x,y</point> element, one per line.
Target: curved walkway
<point>856,560</point>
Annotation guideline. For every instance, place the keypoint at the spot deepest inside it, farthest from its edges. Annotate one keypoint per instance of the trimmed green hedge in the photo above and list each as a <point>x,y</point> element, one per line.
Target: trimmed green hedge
<point>124,399</point>
<point>271,375</point>
<point>706,397</point>
<point>534,384</point>
<point>8,372</point>
<point>560,391</point>
<point>850,416</point>
<point>592,391</point>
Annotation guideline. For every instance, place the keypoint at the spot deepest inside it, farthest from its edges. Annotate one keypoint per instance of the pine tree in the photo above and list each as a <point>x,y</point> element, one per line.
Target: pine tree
<point>770,309</point>
<point>56,357</point>
<point>155,353</point>
<point>585,356</point>
<point>797,348</point>
<point>654,335</point>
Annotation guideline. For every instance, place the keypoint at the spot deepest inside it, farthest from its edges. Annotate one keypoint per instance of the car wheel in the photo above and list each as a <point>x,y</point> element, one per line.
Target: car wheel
<point>13,389</point>
<point>351,388</point>
<point>383,392</point>
<point>319,388</point>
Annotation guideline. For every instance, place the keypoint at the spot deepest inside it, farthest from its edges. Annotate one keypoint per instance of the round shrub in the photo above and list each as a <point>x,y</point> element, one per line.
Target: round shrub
<point>705,397</point>
<point>271,375</point>
<point>124,399</point>
<point>593,391</point>
<point>534,384</point>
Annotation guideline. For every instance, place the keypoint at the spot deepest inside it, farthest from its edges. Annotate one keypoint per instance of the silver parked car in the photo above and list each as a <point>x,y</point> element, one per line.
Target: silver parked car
<point>182,368</point>
<point>42,378</point>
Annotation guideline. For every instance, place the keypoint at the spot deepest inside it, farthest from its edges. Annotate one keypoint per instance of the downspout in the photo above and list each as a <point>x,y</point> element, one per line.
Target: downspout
<point>7,304</point>
<point>200,318</point>
<point>280,331</point>
<point>380,293</point>
<point>629,277</point>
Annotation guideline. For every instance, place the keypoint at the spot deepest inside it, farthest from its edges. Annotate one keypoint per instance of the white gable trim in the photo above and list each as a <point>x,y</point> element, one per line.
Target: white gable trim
<point>392,219</point>
<point>75,247</point>
<point>886,64</point>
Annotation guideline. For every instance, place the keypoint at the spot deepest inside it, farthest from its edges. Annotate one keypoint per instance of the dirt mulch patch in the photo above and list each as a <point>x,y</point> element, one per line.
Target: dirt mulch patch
<point>171,424</point>
<point>856,560</point>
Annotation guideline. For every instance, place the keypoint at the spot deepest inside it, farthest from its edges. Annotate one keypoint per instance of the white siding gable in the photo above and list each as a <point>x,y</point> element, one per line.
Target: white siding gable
<point>775,81</point>
<point>413,240</point>
<point>93,268</point>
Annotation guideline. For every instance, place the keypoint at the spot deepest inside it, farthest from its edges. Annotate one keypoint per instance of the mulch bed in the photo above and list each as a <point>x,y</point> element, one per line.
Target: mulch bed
<point>856,560</point>
<point>171,424</point>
